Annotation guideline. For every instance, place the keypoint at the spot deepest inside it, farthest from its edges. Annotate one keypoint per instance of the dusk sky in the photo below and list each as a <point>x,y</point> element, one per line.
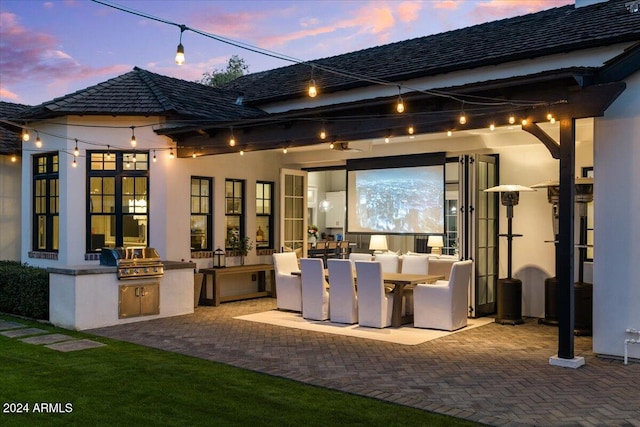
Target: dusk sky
<point>52,48</point>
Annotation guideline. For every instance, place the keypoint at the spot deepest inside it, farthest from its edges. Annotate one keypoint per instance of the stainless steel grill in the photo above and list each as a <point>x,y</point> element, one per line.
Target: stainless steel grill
<point>133,263</point>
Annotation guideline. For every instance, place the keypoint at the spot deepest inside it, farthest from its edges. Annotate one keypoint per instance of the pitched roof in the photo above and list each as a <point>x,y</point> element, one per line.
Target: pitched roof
<point>9,135</point>
<point>140,92</point>
<point>551,31</point>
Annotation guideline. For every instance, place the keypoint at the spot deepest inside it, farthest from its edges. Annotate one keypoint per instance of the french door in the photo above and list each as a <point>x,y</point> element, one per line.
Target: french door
<point>293,208</point>
<point>479,220</point>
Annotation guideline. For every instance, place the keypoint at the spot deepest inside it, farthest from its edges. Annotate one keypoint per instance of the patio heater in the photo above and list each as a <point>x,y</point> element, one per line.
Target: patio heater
<point>509,292</point>
<point>583,292</point>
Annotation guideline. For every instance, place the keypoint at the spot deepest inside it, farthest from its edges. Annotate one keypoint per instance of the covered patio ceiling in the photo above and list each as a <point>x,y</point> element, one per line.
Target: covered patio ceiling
<point>567,94</point>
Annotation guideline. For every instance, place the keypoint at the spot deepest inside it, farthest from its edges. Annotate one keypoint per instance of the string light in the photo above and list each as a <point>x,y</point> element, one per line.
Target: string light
<point>400,104</point>
<point>284,150</point>
<point>524,122</point>
<point>133,137</point>
<point>410,130</point>
<point>133,158</point>
<point>463,118</point>
<point>323,134</point>
<point>242,152</point>
<point>180,51</point>
<point>449,133</point>
<point>232,140</point>
<point>331,145</point>
<point>25,135</point>
<point>108,152</point>
<point>552,120</point>
<point>14,158</point>
<point>38,140</point>
<point>76,152</point>
<point>194,155</point>
<point>171,156</point>
<point>512,119</point>
<point>492,127</point>
<point>75,163</point>
<point>155,159</point>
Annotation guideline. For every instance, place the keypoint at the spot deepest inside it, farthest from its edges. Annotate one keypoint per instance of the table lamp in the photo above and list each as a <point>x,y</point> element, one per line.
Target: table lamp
<point>435,243</point>
<point>509,298</point>
<point>378,243</point>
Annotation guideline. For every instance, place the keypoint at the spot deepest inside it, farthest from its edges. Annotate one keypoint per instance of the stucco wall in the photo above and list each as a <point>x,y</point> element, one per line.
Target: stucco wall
<point>616,269</point>
<point>10,188</point>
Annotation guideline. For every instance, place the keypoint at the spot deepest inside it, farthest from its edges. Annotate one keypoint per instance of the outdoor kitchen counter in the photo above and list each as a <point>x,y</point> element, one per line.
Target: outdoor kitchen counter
<point>88,296</point>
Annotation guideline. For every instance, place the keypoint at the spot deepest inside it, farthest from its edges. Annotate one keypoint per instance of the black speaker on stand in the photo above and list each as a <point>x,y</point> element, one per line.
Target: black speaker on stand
<point>509,292</point>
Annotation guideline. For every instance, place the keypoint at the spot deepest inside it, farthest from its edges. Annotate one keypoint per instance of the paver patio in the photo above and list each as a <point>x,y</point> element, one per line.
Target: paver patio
<point>494,374</point>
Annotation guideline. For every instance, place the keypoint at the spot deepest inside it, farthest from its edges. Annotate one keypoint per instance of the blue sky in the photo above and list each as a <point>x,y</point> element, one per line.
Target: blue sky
<point>51,48</point>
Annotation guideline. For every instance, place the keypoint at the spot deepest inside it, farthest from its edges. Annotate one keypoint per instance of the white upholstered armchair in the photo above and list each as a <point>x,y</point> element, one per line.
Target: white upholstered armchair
<point>342,298</point>
<point>444,304</point>
<point>375,306</point>
<point>288,286</point>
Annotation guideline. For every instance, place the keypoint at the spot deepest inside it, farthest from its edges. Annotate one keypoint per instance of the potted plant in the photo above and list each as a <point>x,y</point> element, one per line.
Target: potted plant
<point>241,246</point>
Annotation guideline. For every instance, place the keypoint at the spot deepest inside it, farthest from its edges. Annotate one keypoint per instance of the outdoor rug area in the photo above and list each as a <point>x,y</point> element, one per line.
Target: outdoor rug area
<point>406,335</point>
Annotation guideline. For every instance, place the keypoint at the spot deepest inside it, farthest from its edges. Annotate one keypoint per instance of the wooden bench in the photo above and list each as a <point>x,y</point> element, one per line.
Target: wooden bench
<point>215,273</point>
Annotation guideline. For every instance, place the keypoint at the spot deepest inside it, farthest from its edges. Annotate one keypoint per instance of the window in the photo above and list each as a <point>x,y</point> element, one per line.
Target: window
<point>46,203</point>
<point>264,215</point>
<point>118,188</point>
<point>234,210</point>
<point>201,219</point>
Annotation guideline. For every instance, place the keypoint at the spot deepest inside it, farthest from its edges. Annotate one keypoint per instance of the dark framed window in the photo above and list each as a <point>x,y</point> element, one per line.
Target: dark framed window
<point>264,215</point>
<point>201,218</point>
<point>46,203</point>
<point>234,210</point>
<point>117,199</point>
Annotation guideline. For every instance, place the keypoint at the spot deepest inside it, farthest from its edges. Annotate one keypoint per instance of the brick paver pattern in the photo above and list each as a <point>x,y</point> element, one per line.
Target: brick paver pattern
<point>495,374</point>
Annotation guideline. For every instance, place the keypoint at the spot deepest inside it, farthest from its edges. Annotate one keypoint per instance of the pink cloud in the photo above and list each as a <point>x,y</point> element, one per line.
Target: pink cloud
<point>409,11</point>
<point>447,4</point>
<point>7,94</point>
<point>498,9</point>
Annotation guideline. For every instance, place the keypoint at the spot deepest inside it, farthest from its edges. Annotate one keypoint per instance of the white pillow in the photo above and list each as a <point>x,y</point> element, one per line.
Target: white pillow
<point>410,253</point>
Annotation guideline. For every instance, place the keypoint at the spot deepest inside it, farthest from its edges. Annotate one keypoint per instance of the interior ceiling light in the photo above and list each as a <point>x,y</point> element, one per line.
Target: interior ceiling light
<point>133,137</point>
<point>180,51</point>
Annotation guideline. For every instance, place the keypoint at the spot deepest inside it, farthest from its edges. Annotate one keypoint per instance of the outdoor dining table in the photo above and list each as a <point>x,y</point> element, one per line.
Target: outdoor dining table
<point>399,282</point>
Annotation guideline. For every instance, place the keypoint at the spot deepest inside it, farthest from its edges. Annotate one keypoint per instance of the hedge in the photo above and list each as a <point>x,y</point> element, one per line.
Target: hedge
<point>24,290</point>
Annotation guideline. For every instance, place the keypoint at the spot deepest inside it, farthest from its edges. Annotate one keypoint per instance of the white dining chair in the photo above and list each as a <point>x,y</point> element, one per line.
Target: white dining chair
<point>315,296</point>
<point>444,304</point>
<point>390,262</point>
<point>415,264</point>
<point>288,286</point>
<point>375,306</point>
<point>343,299</point>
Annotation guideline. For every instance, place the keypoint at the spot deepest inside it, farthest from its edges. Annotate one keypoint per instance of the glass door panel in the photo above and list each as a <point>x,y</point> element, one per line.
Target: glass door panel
<point>293,206</point>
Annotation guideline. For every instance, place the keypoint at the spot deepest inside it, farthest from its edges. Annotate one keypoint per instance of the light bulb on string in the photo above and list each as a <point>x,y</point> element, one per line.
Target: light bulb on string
<point>492,127</point>
<point>411,130</point>
<point>449,133</point>
<point>331,145</point>
<point>108,152</point>
<point>194,155</point>
<point>400,104</point>
<point>14,158</point>
<point>232,139</point>
<point>38,140</point>
<point>284,150</point>
<point>323,134</point>
<point>75,163</point>
<point>133,137</point>
<point>25,135</point>
<point>133,158</point>
<point>313,91</point>
<point>155,159</point>
<point>512,119</point>
<point>552,120</point>
<point>180,51</point>
<point>242,152</point>
<point>76,152</point>
<point>171,156</point>
<point>524,122</point>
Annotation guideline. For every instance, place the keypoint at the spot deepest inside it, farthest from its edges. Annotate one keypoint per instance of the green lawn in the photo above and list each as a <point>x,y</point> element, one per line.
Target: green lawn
<point>125,384</point>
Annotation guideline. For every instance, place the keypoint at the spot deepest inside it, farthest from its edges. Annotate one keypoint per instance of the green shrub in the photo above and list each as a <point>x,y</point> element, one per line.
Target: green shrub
<point>24,290</point>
